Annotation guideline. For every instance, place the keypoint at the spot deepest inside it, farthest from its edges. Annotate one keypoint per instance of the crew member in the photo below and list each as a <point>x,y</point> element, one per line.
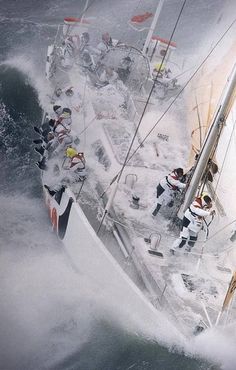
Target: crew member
<point>76,163</point>
<point>105,44</point>
<point>193,222</point>
<point>168,187</point>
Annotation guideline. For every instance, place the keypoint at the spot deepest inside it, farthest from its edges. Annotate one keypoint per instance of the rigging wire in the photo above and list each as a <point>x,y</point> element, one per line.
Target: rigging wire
<point>183,88</point>
<point>136,226</point>
<point>226,152</point>
<point>127,158</point>
<point>83,105</point>
<point>81,14</point>
<point>140,40</point>
<point>219,231</point>
<point>149,96</point>
<point>177,95</point>
<point>213,153</point>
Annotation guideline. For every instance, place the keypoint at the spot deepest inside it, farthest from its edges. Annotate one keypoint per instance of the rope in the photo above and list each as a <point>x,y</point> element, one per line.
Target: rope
<point>219,231</point>
<point>133,223</point>
<point>83,105</point>
<point>172,236</point>
<point>205,177</point>
<point>183,88</point>
<point>84,11</point>
<point>176,97</point>
<point>127,158</point>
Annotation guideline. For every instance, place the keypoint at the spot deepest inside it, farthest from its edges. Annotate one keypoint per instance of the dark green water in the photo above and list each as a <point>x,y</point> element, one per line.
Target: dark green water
<point>19,111</point>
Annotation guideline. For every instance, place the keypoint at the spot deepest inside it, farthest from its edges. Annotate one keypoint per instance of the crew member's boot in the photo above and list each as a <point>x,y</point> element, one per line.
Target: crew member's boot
<point>38,141</point>
<point>156,210</point>
<point>40,150</point>
<point>38,130</point>
<point>179,243</point>
<point>191,243</point>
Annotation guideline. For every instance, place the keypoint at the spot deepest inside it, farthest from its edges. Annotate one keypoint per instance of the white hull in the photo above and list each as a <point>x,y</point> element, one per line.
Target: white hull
<point>181,285</point>
<point>91,258</point>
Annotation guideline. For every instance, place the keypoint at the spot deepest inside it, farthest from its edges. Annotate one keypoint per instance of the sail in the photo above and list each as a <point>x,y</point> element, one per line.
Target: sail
<point>230,292</point>
<point>206,88</point>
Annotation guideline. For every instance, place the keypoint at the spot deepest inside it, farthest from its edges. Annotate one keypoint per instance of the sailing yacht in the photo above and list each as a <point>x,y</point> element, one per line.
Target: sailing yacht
<point>102,212</point>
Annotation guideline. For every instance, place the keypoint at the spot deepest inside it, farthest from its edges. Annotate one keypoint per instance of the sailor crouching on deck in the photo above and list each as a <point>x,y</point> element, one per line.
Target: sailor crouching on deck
<point>75,162</point>
<point>193,222</point>
<point>168,187</point>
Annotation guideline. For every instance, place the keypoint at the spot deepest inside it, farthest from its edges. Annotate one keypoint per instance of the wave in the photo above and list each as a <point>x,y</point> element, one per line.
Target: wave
<point>19,112</point>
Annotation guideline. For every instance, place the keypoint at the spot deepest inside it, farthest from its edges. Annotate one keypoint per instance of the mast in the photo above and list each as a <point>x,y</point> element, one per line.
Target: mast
<point>219,118</point>
<point>152,27</point>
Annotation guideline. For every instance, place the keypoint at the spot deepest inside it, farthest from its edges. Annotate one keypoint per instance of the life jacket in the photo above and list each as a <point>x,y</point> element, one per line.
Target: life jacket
<point>61,136</point>
<point>198,204</point>
<point>175,177</point>
<point>61,132</point>
<point>79,157</point>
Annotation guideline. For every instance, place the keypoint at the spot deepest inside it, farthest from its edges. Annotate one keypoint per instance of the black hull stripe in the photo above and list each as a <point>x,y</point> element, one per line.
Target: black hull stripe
<point>63,219</point>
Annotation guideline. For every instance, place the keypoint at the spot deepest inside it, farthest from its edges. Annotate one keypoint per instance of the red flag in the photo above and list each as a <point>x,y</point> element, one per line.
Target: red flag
<point>141,17</point>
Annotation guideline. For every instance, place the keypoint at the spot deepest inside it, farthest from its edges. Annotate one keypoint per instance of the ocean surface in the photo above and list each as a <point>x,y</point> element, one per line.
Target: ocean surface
<point>48,319</point>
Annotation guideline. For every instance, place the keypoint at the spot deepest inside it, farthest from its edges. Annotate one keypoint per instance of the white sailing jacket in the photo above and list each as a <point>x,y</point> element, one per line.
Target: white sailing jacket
<point>171,182</point>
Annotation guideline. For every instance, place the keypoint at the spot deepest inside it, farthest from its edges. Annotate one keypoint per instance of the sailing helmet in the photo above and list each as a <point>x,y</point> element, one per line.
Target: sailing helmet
<point>66,110</point>
<point>71,152</point>
<point>179,172</point>
<point>206,200</point>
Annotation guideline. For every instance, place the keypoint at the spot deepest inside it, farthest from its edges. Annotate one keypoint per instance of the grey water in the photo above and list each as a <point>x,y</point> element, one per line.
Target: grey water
<point>48,319</point>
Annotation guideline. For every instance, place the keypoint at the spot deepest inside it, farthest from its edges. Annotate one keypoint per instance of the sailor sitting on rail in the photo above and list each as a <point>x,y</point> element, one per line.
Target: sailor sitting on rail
<point>61,129</point>
<point>59,136</point>
<point>64,119</point>
<point>193,222</point>
<point>168,187</point>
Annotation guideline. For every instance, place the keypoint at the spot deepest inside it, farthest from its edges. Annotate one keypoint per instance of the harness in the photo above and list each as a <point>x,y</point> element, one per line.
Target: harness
<point>173,187</point>
<point>63,133</point>
<point>194,214</point>
<point>199,205</point>
<point>79,157</point>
